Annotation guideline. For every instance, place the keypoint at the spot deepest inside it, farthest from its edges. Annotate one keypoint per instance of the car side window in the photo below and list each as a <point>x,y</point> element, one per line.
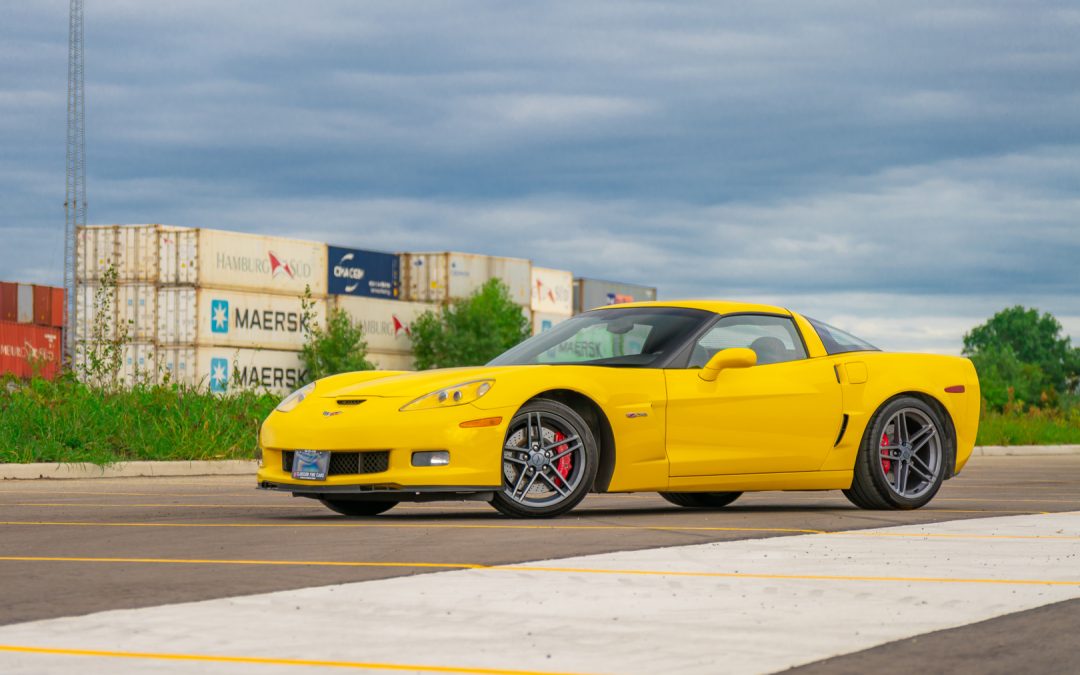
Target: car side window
<point>774,339</point>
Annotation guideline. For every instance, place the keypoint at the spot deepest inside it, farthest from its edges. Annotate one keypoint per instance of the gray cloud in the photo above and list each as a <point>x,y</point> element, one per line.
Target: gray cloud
<point>906,169</point>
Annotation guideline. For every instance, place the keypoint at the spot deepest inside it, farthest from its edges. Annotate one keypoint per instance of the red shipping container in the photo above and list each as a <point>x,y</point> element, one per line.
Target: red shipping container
<point>9,301</point>
<point>42,305</point>
<point>24,345</point>
<point>56,320</point>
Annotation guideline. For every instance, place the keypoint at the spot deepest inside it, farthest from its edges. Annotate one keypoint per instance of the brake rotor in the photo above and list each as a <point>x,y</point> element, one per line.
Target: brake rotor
<point>519,439</point>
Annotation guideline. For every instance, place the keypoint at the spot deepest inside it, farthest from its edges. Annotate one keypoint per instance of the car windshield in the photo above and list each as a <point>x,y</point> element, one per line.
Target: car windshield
<point>837,341</point>
<point>632,337</point>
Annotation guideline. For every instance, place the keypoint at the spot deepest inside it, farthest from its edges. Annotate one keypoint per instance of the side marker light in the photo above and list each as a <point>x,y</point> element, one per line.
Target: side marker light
<point>485,422</point>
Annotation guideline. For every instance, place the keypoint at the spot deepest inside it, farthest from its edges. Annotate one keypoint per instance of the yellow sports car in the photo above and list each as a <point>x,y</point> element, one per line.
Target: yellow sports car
<point>698,400</point>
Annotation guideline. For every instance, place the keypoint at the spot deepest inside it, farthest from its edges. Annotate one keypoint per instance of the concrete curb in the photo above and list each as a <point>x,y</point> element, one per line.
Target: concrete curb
<point>247,467</point>
<point>225,467</point>
<point>1024,450</point>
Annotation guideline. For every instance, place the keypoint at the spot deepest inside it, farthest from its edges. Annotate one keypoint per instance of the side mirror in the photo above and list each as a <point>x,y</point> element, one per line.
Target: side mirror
<point>736,357</point>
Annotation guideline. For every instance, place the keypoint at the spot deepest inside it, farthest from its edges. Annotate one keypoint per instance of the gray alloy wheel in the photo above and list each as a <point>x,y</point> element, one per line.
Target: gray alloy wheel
<point>357,508</point>
<point>549,461</point>
<point>701,500</point>
<point>901,463</point>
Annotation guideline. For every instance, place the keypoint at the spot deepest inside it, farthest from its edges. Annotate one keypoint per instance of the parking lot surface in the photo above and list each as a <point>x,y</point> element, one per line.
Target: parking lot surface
<point>72,548</point>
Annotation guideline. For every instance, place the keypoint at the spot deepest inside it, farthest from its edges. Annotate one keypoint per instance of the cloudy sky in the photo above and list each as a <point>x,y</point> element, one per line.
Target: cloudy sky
<point>901,169</point>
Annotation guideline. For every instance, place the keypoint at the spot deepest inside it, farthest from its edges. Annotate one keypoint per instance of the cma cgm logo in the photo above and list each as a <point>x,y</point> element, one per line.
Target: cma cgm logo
<point>219,375</point>
<point>343,271</point>
<point>219,316</point>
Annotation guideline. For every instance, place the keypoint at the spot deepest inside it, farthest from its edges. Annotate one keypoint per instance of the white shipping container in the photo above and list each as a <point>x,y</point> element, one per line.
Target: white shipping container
<point>133,249</point>
<point>438,277</point>
<point>223,369</point>
<point>130,306</point>
<point>215,317</point>
<point>138,362</point>
<point>239,261</point>
<point>552,291</point>
<point>391,361</point>
<point>543,321</point>
<point>25,303</point>
<point>387,324</point>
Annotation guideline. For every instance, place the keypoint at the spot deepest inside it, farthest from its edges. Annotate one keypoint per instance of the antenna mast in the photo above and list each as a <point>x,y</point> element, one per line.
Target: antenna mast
<point>75,197</point>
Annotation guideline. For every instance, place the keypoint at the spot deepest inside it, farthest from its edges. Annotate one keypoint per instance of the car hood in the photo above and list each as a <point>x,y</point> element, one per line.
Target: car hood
<point>408,384</point>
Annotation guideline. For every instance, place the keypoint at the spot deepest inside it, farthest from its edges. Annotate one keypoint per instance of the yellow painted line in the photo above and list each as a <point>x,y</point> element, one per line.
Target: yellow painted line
<point>439,526</point>
<point>210,658</point>
<point>558,570</point>
<point>453,526</point>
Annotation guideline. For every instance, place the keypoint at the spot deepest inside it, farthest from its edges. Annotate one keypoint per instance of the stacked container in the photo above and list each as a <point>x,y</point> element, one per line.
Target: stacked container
<point>552,298</point>
<point>31,329</point>
<point>367,285</point>
<point>202,307</point>
<point>592,293</point>
<point>442,277</point>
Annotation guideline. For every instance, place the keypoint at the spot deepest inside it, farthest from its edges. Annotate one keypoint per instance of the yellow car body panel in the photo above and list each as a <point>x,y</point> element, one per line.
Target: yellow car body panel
<point>778,426</point>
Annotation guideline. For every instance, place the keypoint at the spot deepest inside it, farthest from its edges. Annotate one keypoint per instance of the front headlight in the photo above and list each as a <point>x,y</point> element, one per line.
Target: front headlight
<point>294,399</point>
<point>459,394</point>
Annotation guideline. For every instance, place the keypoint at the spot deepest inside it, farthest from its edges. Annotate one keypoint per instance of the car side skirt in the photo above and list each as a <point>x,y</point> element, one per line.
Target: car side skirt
<point>753,482</point>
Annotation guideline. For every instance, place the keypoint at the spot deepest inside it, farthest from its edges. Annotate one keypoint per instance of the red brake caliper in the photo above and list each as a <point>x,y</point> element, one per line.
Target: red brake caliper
<point>565,463</point>
<point>886,464</point>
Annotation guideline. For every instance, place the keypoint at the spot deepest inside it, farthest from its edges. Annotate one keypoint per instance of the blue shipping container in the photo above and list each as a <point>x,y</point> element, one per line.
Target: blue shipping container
<point>368,273</point>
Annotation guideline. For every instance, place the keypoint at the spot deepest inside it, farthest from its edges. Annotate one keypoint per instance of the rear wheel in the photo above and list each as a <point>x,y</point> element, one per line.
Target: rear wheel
<point>549,461</point>
<point>901,463</point>
<point>357,508</point>
<point>701,500</point>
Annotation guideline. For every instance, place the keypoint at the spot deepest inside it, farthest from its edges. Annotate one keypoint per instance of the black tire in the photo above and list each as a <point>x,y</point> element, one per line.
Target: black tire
<point>883,471</point>
<point>357,508</point>
<point>529,453</point>
<point>701,500</point>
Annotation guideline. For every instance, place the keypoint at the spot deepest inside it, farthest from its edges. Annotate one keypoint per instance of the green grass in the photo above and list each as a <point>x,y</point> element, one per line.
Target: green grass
<point>67,421</point>
<point>1034,426</point>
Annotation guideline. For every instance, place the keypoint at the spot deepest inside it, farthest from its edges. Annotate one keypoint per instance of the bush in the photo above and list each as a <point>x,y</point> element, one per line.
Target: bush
<point>340,348</point>
<point>470,332</point>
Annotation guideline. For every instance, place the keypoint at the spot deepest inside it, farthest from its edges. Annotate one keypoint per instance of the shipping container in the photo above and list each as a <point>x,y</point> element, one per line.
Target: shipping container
<point>391,361</point>
<point>552,291</point>
<point>242,262</point>
<point>214,317</point>
<point>49,306</point>
<point>133,249</point>
<point>138,363</point>
<point>592,293</point>
<point>9,301</point>
<point>25,312</point>
<point>26,350</point>
<point>370,274</point>
<point>130,306</point>
<point>222,369</point>
<point>543,321</point>
<point>439,277</point>
<point>387,324</point>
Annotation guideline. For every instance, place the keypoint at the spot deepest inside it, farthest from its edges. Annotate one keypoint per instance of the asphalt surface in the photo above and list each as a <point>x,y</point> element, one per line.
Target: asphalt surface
<point>75,547</point>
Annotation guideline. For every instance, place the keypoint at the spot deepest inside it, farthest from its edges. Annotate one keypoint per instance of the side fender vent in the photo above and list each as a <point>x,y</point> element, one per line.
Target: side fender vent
<point>350,401</point>
<point>843,428</point>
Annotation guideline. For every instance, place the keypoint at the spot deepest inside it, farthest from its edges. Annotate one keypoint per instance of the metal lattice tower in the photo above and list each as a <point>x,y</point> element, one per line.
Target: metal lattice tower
<point>75,197</point>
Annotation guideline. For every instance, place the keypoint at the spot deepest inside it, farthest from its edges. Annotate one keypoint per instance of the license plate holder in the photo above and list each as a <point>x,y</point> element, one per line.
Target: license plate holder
<point>310,464</point>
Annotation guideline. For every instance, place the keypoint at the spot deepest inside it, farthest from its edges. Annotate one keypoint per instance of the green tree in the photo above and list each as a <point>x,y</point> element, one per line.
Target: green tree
<point>469,332</point>
<point>1020,349</point>
<point>339,348</point>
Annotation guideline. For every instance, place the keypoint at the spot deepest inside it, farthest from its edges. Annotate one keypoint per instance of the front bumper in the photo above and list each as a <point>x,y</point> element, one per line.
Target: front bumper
<point>377,425</point>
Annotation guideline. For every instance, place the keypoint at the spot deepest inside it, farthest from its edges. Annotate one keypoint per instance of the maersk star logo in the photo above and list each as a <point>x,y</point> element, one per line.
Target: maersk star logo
<point>219,316</point>
<point>219,375</point>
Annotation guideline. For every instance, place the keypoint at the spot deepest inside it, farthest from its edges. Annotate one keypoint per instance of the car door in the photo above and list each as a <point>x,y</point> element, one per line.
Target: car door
<point>781,415</point>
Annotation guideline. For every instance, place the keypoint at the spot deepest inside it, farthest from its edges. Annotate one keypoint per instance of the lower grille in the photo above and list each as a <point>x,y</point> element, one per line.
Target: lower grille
<point>346,463</point>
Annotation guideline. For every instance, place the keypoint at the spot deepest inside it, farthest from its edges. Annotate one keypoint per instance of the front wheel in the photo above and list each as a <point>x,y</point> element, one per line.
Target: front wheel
<point>701,500</point>
<point>901,463</point>
<point>357,508</point>
<point>549,461</point>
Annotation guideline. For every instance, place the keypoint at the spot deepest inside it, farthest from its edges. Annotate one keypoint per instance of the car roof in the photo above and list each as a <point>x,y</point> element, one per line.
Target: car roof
<point>717,306</point>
